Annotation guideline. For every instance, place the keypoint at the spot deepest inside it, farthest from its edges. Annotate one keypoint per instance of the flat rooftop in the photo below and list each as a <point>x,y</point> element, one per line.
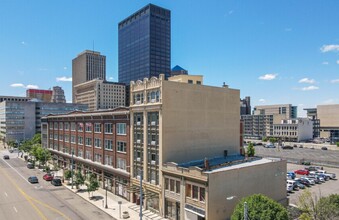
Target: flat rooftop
<point>218,164</point>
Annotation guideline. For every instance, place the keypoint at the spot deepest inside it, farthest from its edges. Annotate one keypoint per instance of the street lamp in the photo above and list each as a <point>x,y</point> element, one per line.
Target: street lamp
<point>141,175</point>
<point>72,168</point>
<point>245,206</point>
<point>106,206</point>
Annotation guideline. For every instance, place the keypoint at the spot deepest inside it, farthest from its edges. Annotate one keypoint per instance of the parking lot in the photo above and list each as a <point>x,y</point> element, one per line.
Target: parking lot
<point>318,190</point>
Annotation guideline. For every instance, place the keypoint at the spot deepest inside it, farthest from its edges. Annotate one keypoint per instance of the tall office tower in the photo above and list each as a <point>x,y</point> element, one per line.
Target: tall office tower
<point>58,95</point>
<point>145,44</point>
<point>245,106</point>
<point>40,94</point>
<point>86,66</point>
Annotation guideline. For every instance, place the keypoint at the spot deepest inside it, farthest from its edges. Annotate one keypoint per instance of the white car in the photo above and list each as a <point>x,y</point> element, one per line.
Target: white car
<point>309,180</point>
<point>289,188</point>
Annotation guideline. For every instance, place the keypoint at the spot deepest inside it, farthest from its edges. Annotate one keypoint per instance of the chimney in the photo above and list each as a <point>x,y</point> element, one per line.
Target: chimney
<point>206,164</point>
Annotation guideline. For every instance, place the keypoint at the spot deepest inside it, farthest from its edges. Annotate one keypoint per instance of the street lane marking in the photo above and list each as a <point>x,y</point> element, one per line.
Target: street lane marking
<point>16,171</point>
<point>6,194</point>
<point>15,209</point>
<point>31,199</point>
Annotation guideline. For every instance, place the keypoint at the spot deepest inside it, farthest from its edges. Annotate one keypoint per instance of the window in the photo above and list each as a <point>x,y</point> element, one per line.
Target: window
<point>66,125</point>
<point>138,98</point>
<point>108,160</point>
<point>80,126</point>
<point>202,194</point>
<point>88,141</point>
<point>121,146</point>
<point>195,192</point>
<point>121,163</point>
<point>50,125</point>
<point>97,142</point>
<point>166,184</point>
<point>61,137</point>
<point>73,139</point>
<point>172,185</point>
<point>61,126</point>
<point>108,144</point>
<point>138,118</point>
<point>177,187</point>
<point>190,81</point>
<point>88,127</point>
<point>88,154</point>
<point>97,128</point>
<point>79,153</point>
<point>188,190</point>
<point>73,126</point>
<point>97,158</point>
<point>199,82</point>
<point>55,125</point>
<point>121,128</point>
<point>153,118</point>
<point>80,140</point>
<point>108,128</point>
<point>55,137</point>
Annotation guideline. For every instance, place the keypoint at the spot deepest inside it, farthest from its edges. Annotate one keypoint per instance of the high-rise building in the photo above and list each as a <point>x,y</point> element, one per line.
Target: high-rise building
<point>14,98</point>
<point>178,70</point>
<point>40,94</point>
<point>100,94</point>
<point>86,66</point>
<point>58,95</point>
<point>245,106</point>
<point>145,44</point>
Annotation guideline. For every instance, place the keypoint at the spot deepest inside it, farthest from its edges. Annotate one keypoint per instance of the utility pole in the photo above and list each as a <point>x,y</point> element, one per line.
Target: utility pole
<point>245,211</point>
<point>106,207</point>
<point>141,175</point>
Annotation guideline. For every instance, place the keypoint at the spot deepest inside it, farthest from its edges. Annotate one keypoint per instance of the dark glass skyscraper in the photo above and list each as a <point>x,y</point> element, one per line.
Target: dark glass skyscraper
<point>145,44</point>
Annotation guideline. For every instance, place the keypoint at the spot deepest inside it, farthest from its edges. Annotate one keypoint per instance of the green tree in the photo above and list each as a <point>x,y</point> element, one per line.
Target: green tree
<point>79,179</point>
<point>26,146</point>
<point>250,150</point>
<point>328,207</point>
<point>67,174</point>
<point>43,155</point>
<point>264,139</point>
<point>337,144</point>
<point>92,184</point>
<point>36,139</point>
<point>307,204</point>
<point>273,140</point>
<point>260,207</point>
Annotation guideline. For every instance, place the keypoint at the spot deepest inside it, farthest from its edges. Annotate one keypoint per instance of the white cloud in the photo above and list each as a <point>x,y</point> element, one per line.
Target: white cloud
<point>230,12</point>
<point>309,88</point>
<point>262,100</point>
<point>337,62</point>
<point>269,76</point>
<point>329,101</point>
<point>335,81</point>
<point>18,85</point>
<point>325,63</point>
<point>288,29</point>
<point>65,67</point>
<point>32,87</point>
<point>23,42</point>
<point>64,79</point>
<point>307,80</point>
<point>328,48</point>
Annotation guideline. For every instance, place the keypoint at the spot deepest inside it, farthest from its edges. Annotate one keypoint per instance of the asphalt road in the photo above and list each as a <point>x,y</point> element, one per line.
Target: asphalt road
<point>20,199</point>
<point>329,157</point>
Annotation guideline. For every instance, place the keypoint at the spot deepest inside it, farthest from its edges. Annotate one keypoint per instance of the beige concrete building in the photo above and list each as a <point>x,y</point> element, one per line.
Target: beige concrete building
<point>190,79</point>
<point>210,189</point>
<point>296,130</point>
<point>86,66</point>
<point>177,122</point>
<point>329,121</point>
<point>58,95</point>
<point>280,112</point>
<point>100,94</point>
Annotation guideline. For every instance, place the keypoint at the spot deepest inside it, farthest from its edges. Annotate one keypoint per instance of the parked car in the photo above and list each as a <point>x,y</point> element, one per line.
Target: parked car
<point>291,174</point>
<point>324,148</point>
<point>315,179</point>
<point>331,175</point>
<point>56,182</point>
<point>293,184</point>
<point>300,183</point>
<point>259,143</point>
<point>301,146</point>
<point>304,182</point>
<point>287,147</point>
<point>33,179</point>
<point>313,168</point>
<point>6,157</point>
<point>48,177</point>
<point>30,166</point>
<point>289,188</point>
<point>309,180</point>
<point>269,145</point>
<point>302,172</point>
<point>326,177</point>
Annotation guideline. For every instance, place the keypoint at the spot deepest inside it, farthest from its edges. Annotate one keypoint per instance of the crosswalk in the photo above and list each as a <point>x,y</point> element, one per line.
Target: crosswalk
<point>148,215</point>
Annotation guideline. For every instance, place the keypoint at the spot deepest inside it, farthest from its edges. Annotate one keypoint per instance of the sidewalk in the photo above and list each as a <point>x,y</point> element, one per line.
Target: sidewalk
<point>112,203</point>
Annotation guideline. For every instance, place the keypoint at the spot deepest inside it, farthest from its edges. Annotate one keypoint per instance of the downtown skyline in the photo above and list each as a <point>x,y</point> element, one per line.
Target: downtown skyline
<point>275,52</point>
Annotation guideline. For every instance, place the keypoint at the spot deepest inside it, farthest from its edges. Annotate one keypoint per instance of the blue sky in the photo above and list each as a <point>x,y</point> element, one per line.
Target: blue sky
<point>274,51</point>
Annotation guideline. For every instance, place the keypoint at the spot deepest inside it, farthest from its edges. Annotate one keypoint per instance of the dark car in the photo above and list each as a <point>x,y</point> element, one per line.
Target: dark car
<point>313,168</point>
<point>6,157</point>
<point>56,182</point>
<point>324,148</point>
<point>304,182</point>
<point>30,166</point>
<point>287,147</point>
<point>259,143</point>
<point>48,177</point>
<point>301,146</point>
<point>33,179</point>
